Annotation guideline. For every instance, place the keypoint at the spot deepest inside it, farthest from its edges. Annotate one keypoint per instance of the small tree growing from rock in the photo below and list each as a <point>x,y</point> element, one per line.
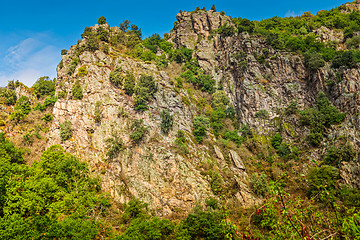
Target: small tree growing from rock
<point>101,20</point>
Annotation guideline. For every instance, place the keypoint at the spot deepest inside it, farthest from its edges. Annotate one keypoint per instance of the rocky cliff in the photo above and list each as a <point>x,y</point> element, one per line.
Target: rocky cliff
<point>155,170</point>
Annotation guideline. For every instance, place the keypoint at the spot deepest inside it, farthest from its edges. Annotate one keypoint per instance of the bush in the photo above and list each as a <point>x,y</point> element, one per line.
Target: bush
<point>167,121</point>
<point>144,90</point>
<point>65,131</point>
<point>63,51</point>
<point>113,146</point>
<point>346,59</point>
<point>101,20</point>
<point>82,71</point>
<point>336,155</point>
<point>44,86</point>
<point>77,92</point>
<point>180,141</point>
<point>102,34</point>
<point>200,126</point>
<point>72,66</point>
<point>47,117</point>
<point>7,96</point>
<point>92,43</point>
<point>322,182</point>
<point>276,141</point>
<point>116,77</point>
<point>262,114</point>
<point>138,130</point>
<point>226,30</point>
<point>314,61</point>
<point>21,109</point>
<point>259,184</point>
<point>244,25</point>
<point>48,102</point>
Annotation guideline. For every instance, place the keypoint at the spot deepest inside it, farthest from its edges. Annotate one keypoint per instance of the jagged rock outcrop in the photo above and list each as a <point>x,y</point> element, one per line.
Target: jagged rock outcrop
<point>254,76</point>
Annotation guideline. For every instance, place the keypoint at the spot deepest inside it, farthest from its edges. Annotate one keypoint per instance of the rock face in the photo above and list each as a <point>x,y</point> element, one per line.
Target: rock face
<point>157,171</point>
<point>154,170</point>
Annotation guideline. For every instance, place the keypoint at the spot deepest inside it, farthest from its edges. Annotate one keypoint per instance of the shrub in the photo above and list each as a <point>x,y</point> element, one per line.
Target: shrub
<point>322,182</point>
<point>292,108</point>
<point>116,77</point>
<point>226,30</point>
<point>72,66</point>
<point>314,61</point>
<point>102,34</point>
<point>167,121</point>
<point>44,86</point>
<point>82,71</point>
<point>48,102</point>
<point>346,59</point>
<point>77,92</point>
<point>21,109</point>
<point>259,184</point>
<point>262,114</point>
<point>336,155</point>
<point>219,100</point>
<point>138,130</point>
<point>144,90</point>
<point>47,117</point>
<point>200,125</point>
<point>65,131</point>
<point>101,20</point>
<point>63,52</point>
<point>92,43</point>
<point>276,141</point>
<point>233,136</point>
<point>114,146</point>
<point>7,96</point>
<point>244,25</point>
<point>181,55</point>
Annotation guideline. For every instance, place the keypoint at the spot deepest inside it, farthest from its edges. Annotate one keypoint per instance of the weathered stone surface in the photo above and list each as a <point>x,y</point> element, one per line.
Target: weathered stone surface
<point>236,160</point>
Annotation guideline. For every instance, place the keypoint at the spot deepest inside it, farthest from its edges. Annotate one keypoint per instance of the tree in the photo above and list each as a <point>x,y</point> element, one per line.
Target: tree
<point>125,25</point>
<point>63,52</point>
<point>129,83</point>
<point>101,20</point>
<point>44,86</point>
<point>200,126</point>
<point>116,77</point>
<point>213,8</point>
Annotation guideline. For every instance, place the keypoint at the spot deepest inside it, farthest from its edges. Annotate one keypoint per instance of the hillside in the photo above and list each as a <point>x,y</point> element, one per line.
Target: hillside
<point>225,128</point>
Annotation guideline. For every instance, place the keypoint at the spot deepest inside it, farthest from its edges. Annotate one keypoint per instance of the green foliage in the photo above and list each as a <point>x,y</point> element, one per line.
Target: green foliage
<point>314,61</point>
<point>144,90</point>
<point>292,108</point>
<point>102,34</point>
<point>206,224</point>
<point>276,141</point>
<point>244,25</point>
<point>47,117</point>
<point>167,121</point>
<point>114,146</point>
<point>154,42</point>
<point>135,209</point>
<point>7,96</point>
<point>259,184</point>
<point>216,120</point>
<point>346,59</point>
<point>63,51</point>
<point>181,55</point>
<point>233,136</point>
<point>65,131</point>
<point>138,130</point>
<point>226,30</point>
<point>44,86</point>
<point>76,90</point>
<point>322,182</point>
<point>21,109</point>
<point>116,77</point>
<point>52,199</point>
<point>318,119</point>
<point>92,43</point>
<point>72,66</point>
<point>82,71</point>
<point>101,20</point>
<point>351,226</point>
<point>195,75</point>
<point>200,126</point>
<point>47,102</point>
<point>129,83</point>
<point>338,154</point>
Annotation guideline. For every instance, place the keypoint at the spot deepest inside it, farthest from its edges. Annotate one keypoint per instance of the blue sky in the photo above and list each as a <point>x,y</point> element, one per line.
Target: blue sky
<point>32,33</point>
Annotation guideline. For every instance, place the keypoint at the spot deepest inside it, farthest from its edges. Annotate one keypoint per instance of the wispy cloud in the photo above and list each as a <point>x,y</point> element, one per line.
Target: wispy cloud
<point>292,13</point>
<point>29,59</point>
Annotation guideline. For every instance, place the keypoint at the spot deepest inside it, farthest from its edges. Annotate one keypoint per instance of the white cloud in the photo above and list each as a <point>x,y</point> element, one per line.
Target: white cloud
<point>29,59</point>
<point>292,13</point>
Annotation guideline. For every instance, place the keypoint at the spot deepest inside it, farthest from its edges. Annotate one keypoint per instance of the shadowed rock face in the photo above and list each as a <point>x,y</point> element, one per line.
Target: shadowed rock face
<point>155,170</point>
